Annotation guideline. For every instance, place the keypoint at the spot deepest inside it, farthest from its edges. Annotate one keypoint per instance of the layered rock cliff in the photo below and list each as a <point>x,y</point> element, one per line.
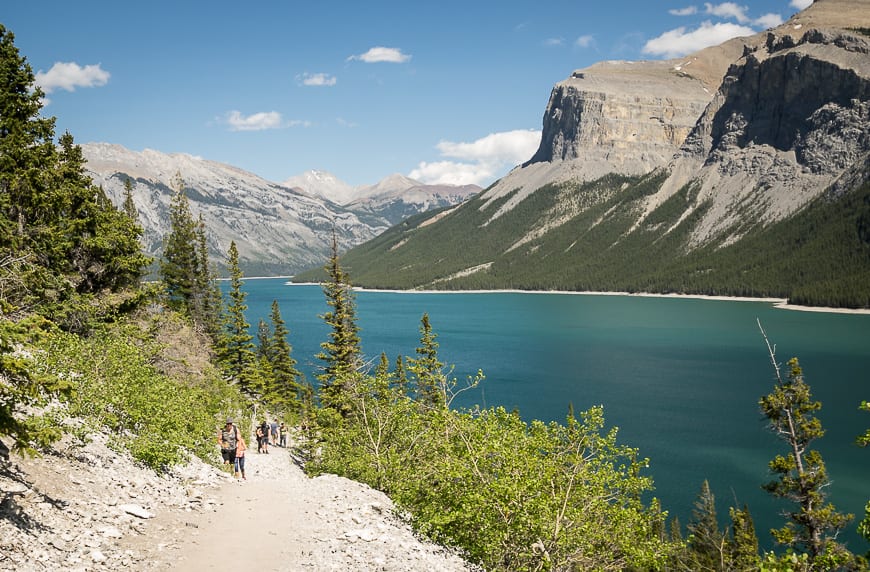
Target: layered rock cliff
<point>721,172</point>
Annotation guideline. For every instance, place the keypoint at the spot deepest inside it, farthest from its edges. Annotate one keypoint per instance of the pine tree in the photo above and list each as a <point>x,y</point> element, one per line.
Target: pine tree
<point>427,370</point>
<point>801,476</point>
<point>742,548</point>
<point>284,373</point>
<point>27,151</point>
<point>207,298</point>
<point>401,373</point>
<point>383,367</point>
<point>706,542</point>
<point>236,351</point>
<point>129,205</point>
<point>179,265</point>
<point>341,353</point>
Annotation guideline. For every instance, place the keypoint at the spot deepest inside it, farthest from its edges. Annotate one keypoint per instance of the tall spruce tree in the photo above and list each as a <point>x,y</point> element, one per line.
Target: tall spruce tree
<point>341,353</point>
<point>706,542</point>
<point>235,347</point>
<point>801,477</point>
<point>427,370</point>
<point>129,205</point>
<point>179,266</point>
<point>742,549</point>
<point>207,297</point>
<point>286,378</point>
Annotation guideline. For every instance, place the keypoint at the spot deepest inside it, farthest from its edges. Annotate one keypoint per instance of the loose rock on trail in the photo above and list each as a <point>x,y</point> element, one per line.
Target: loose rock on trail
<point>96,510</point>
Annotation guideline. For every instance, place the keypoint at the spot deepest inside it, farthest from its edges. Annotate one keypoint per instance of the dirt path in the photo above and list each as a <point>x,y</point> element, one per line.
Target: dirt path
<point>280,520</point>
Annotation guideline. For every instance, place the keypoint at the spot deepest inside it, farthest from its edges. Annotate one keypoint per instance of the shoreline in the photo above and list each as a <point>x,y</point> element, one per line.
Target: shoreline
<point>779,303</point>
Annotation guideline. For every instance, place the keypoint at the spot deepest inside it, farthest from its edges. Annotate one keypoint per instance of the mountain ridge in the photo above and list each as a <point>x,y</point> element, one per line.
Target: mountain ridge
<point>278,229</point>
<point>626,194</point>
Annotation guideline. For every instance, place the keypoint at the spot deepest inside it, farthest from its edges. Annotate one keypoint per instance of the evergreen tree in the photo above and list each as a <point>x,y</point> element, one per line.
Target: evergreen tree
<point>742,549</point>
<point>286,377</point>
<point>236,351</point>
<point>401,373</point>
<point>383,367</point>
<point>341,353</point>
<point>207,298</point>
<point>264,340</point>
<point>129,205</point>
<point>26,148</point>
<point>801,476</point>
<point>427,370</point>
<point>180,263</point>
<point>706,542</point>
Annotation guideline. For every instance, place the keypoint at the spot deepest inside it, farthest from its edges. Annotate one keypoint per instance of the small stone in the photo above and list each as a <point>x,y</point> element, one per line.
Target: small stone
<point>136,510</point>
<point>97,556</point>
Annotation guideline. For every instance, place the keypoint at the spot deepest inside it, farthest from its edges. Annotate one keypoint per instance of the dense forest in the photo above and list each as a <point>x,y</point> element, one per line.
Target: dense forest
<point>86,346</point>
<point>819,256</point>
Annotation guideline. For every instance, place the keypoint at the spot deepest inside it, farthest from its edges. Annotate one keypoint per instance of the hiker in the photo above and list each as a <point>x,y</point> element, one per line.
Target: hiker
<point>264,427</point>
<point>260,438</point>
<point>274,428</point>
<point>228,438</point>
<point>283,430</point>
<point>239,465</point>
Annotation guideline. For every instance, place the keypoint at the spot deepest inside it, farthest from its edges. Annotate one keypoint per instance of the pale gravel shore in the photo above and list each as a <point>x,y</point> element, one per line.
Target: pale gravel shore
<point>781,303</point>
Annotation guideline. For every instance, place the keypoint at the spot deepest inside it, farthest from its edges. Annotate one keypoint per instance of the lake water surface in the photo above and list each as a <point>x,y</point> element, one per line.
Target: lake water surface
<point>681,378</point>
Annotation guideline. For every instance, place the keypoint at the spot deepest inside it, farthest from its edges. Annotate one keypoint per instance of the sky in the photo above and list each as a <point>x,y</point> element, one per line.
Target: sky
<point>443,92</point>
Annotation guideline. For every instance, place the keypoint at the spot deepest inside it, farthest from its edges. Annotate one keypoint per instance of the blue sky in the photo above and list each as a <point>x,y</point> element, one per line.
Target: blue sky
<point>447,91</point>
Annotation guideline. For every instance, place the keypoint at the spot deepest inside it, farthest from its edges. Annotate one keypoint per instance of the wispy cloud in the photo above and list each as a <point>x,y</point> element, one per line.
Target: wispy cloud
<point>768,21</point>
<point>382,54</point>
<point>478,162</point>
<point>70,75</point>
<point>687,11</point>
<point>258,121</point>
<point>728,10</point>
<point>584,41</point>
<point>801,4</point>
<point>680,41</point>
<point>554,42</point>
<point>317,79</point>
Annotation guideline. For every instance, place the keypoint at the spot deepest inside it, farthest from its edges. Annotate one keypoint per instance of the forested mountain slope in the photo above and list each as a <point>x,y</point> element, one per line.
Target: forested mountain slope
<point>764,194</point>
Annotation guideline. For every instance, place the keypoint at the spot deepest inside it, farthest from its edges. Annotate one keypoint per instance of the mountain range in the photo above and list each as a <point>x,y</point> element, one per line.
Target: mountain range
<point>741,169</point>
<point>279,229</point>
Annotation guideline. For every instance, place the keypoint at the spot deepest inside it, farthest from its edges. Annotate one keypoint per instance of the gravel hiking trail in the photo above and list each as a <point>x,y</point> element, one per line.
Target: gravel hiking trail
<point>281,520</point>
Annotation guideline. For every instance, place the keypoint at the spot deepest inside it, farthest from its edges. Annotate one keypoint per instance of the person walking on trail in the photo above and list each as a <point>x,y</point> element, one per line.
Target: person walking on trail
<point>283,431</point>
<point>274,428</point>
<point>260,438</point>
<point>239,465</point>
<point>264,427</point>
<point>228,439</point>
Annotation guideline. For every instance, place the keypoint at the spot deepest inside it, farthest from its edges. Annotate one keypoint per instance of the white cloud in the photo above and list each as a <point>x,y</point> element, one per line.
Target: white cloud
<point>70,75</point>
<point>317,79</point>
<point>679,42</point>
<point>254,122</point>
<point>478,162</point>
<point>768,21</point>
<point>584,41</point>
<point>382,54</point>
<point>801,4</point>
<point>687,11</point>
<point>554,42</point>
<point>728,10</point>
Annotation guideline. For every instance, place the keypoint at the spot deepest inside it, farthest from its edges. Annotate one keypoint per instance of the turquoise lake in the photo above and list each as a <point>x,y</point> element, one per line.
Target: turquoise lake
<point>680,378</point>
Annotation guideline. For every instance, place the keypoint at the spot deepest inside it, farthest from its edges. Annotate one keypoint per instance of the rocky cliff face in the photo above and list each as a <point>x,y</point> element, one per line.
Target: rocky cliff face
<point>632,116</point>
<point>766,122</point>
<point>790,119</point>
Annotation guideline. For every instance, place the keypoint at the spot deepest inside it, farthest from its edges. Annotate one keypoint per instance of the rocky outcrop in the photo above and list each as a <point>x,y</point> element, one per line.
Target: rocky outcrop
<point>790,119</point>
<point>632,116</point>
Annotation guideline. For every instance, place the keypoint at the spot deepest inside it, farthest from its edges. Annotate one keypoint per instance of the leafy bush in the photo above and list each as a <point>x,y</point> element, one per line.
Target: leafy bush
<point>159,418</point>
<point>513,495</point>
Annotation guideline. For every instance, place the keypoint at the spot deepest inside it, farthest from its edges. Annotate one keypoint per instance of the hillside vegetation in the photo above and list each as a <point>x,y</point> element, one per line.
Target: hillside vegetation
<point>820,256</point>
